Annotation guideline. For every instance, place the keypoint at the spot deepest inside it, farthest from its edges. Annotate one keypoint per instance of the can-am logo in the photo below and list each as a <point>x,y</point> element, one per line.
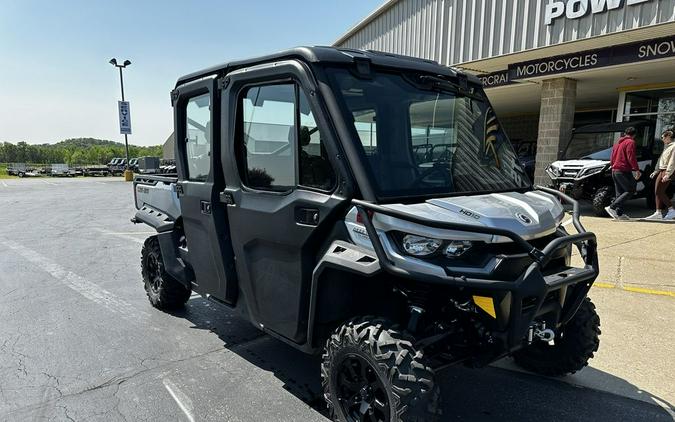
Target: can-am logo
<point>575,9</point>
<point>523,218</point>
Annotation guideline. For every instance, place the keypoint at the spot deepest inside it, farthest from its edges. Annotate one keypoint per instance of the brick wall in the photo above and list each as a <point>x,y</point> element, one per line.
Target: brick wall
<point>556,120</point>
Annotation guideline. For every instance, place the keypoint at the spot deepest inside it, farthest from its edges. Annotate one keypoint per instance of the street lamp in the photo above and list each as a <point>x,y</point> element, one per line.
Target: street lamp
<point>126,63</point>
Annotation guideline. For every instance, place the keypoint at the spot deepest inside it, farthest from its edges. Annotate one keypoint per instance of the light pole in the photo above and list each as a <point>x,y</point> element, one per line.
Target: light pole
<point>126,63</point>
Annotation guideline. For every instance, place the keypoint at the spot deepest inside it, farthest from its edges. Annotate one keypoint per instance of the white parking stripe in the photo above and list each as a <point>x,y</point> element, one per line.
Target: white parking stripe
<point>86,288</point>
<point>183,401</point>
<point>5,184</point>
<point>49,183</point>
<point>126,236</point>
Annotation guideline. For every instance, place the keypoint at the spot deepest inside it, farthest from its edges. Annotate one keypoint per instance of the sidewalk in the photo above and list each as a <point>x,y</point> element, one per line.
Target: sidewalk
<point>635,298</point>
<point>634,255</point>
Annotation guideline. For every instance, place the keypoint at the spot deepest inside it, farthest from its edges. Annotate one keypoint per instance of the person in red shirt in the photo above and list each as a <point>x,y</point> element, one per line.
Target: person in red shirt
<point>625,172</point>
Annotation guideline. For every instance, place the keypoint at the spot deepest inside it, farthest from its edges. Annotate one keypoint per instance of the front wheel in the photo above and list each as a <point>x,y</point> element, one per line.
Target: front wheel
<point>372,372</point>
<point>572,348</point>
<point>602,198</point>
<point>164,292</point>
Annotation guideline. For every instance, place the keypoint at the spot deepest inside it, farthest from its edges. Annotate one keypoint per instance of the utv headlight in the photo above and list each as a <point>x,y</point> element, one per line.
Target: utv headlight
<point>419,245</point>
<point>553,170</point>
<point>591,171</point>
<point>457,248</point>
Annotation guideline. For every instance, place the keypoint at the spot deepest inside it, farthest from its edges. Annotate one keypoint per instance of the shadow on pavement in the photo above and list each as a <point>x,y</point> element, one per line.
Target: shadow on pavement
<point>635,208</point>
<point>489,394</point>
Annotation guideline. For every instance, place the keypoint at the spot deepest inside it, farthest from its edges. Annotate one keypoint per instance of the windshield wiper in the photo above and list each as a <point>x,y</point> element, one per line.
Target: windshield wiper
<point>446,85</point>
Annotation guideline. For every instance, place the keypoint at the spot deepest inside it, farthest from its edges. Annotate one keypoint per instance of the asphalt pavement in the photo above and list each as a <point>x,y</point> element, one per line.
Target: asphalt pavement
<point>79,340</point>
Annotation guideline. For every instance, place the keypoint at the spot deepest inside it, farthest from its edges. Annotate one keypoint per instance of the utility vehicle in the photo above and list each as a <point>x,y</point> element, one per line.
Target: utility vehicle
<point>368,207</point>
<point>148,165</point>
<point>583,170</point>
<point>117,166</point>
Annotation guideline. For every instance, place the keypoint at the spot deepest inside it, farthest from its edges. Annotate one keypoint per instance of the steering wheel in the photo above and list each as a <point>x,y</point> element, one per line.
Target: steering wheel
<point>437,167</point>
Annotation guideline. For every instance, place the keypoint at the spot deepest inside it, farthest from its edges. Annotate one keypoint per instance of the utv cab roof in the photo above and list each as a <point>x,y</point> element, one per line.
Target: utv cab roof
<point>612,127</point>
<point>333,55</point>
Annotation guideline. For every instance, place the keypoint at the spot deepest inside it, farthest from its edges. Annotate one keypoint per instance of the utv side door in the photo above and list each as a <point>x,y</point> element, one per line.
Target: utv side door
<point>200,179</point>
<point>279,213</point>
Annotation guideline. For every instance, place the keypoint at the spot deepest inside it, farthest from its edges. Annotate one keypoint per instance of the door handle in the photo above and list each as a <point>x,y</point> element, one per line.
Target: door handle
<point>205,207</point>
<point>308,216</point>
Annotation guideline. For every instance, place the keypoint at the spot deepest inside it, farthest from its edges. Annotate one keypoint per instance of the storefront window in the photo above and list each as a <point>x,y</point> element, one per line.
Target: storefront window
<point>657,105</point>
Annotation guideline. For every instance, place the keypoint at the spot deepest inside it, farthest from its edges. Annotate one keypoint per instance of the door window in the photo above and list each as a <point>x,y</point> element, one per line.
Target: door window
<point>272,140</point>
<point>198,137</point>
<point>315,170</point>
<point>269,137</point>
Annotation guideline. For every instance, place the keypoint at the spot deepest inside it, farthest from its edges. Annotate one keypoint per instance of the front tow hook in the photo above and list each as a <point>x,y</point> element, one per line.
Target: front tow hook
<point>538,330</point>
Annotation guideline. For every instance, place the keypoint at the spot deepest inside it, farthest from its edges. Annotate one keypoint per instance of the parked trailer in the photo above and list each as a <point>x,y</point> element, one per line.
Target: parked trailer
<point>17,169</point>
<point>148,165</point>
<point>60,170</point>
<point>96,170</point>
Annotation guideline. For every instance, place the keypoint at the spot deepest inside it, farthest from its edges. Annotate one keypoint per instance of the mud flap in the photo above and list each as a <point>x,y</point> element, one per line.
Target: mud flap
<point>173,264</point>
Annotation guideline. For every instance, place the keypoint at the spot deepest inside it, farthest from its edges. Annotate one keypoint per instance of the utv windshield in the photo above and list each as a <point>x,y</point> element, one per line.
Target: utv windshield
<point>591,146</point>
<point>421,137</point>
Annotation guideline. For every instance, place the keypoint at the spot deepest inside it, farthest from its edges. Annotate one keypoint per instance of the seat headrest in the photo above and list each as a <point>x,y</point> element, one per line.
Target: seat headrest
<point>303,135</point>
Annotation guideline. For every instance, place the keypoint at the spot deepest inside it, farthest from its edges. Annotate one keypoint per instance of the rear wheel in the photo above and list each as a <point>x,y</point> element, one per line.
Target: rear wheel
<point>602,198</point>
<point>372,372</point>
<point>164,292</point>
<point>574,345</point>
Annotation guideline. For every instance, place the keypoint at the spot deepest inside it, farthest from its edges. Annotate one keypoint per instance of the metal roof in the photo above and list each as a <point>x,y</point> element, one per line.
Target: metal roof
<point>365,21</point>
<point>328,55</point>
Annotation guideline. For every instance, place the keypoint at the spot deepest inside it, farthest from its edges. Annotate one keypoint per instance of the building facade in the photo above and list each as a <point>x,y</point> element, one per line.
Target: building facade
<point>547,65</point>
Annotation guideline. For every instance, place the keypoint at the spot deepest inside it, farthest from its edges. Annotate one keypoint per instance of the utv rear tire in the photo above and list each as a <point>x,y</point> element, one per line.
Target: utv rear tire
<point>164,292</point>
<point>573,346</point>
<point>602,198</point>
<point>371,369</point>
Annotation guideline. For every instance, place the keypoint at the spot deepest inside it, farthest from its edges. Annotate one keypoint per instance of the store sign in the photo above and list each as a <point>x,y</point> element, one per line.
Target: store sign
<point>125,117</point>
<point>491,80</point>
<point>576,9</point>
<point>619,54</point>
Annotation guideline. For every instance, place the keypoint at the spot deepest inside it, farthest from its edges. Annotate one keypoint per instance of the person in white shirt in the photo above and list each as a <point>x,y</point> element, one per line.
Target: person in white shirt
<point>663,174</point>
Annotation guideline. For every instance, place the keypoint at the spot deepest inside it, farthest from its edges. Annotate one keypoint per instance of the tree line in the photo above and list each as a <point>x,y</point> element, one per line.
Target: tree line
<point>72,151</point>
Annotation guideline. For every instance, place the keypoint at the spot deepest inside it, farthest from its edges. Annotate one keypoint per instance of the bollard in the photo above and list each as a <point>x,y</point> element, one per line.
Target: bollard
<point>128,175</point>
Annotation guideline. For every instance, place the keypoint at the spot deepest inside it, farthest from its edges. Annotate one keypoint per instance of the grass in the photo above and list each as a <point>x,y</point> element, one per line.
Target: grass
<point>3,172</point>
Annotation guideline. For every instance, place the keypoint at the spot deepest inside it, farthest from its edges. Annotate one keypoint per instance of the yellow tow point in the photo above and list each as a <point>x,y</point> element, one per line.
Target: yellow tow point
<point>486,304</point>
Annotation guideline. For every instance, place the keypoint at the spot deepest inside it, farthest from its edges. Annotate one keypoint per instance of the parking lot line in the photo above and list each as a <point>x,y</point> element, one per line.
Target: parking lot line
<point>183,402</point>
<point>85,288</point>
<point>5,184</point>
<point>127,235</point>
<point>635,289</point>
<point>49,183</point>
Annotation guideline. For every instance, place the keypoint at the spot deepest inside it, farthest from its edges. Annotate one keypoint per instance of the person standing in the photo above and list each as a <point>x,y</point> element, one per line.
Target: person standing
<point>625,173</point>
<point>663,175</point>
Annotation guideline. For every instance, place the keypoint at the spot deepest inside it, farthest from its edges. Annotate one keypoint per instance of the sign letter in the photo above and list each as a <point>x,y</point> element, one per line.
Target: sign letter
<point>553,10</point>
<point>576,8</point>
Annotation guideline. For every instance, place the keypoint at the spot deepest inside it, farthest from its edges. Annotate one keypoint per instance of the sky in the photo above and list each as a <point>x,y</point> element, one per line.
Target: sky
<point>56,82</point>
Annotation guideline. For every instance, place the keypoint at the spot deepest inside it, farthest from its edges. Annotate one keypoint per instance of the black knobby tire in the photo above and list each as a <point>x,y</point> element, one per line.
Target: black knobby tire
<point>602,198</point>
<point>573,346</point>
<point>164,292</point>
<point>408,391</point>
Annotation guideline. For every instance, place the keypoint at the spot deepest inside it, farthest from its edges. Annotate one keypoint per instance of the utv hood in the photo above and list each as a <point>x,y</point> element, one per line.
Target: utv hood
<point>530,215</point>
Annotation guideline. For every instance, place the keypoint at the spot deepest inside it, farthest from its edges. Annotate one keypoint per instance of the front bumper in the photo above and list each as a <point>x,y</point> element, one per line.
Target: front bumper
<point>518,302</point>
